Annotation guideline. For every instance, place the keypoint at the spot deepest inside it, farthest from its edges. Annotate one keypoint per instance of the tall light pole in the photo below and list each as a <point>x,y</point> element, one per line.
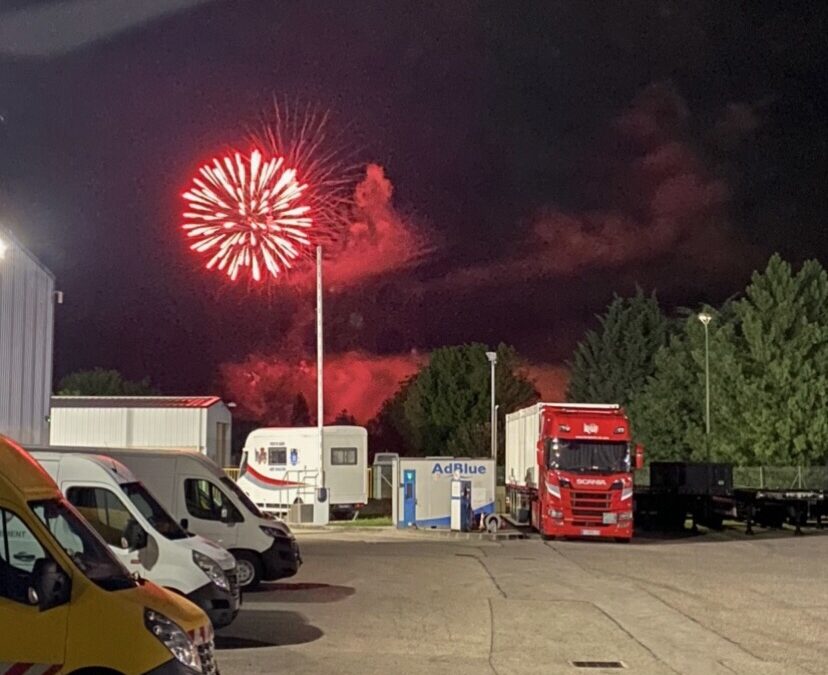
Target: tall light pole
<point>492,356</point>
<point>705,318</point>
<point>320,404</point>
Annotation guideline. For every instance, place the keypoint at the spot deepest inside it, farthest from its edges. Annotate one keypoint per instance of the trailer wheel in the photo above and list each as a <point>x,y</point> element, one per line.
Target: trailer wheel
<point>249,569</point>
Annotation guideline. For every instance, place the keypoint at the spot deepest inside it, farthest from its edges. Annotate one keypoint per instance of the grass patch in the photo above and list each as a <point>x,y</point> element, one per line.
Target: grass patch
<point>374,521</point>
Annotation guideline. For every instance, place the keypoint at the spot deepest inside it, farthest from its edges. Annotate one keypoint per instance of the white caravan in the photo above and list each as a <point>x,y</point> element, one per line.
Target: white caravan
<point>143,536</point>
<point>205,501</point>
<point>282,466</point>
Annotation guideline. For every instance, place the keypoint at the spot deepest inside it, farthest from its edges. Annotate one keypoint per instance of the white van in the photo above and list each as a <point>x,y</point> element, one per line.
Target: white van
<point>282,466</point>
<point>144,537</point>
<point>201,497</point>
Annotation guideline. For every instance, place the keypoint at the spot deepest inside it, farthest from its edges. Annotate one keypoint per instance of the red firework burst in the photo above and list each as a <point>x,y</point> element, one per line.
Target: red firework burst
<point>248,215</point>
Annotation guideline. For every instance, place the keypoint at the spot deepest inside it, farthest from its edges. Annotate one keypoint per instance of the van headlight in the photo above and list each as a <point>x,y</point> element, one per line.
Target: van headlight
<point>212,569</point>
<point>276,532</point>
<point>173,638</point>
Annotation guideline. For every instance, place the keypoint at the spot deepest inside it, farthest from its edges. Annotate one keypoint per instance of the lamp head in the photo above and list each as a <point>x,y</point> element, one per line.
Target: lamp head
<point>705,318</point>
<point>492,356</point>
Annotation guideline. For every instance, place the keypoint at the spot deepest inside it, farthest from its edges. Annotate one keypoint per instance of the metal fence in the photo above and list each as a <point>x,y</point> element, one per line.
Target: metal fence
<point>767,477</point>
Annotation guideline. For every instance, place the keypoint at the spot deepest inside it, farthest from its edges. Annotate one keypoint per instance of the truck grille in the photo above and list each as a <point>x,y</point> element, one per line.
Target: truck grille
<point>588,507</point>
<point>208,658</point>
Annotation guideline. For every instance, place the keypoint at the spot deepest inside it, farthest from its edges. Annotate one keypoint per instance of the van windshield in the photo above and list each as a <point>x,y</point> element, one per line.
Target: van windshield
<point>153,511</point>
<point>89,553</point>
<point>243,498</point>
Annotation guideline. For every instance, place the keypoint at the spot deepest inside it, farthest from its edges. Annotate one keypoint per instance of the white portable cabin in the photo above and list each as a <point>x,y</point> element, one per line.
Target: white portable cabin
<point>200,423</point>
<point>282,466</point>
<point>27,296</point>
<point>421,495</point>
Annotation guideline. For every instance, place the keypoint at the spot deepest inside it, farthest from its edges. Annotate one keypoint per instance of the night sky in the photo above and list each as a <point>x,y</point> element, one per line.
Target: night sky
<point>541,156</point>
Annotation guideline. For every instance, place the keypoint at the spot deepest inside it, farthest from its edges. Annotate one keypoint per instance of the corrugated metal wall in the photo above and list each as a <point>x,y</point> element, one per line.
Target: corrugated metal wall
<point>26,334</point>
<point>140,427</point>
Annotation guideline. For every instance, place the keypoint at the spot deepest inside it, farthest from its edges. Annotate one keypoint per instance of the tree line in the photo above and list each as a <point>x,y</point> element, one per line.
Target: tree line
<point>768,371</point>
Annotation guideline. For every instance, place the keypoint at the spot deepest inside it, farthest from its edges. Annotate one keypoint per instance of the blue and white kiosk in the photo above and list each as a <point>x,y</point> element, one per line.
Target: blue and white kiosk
<point>422,490</point>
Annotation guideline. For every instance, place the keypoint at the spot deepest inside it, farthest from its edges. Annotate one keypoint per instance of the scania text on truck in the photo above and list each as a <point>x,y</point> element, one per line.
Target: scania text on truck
<point>568,470</point>
<point>67,605</point>
<point>144,537</point>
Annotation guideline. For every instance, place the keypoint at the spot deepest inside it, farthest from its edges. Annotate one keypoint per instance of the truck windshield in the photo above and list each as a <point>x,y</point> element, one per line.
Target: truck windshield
<point>89,553</point>
<point>251,506</point>
<point>589,456</point>
<point>153,511</point>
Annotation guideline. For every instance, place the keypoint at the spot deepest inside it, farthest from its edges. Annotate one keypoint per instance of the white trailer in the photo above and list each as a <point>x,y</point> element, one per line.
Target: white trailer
<point>281,467</point>
<point>200,423</point>
<point>421,494</point>
<point>27,293</point>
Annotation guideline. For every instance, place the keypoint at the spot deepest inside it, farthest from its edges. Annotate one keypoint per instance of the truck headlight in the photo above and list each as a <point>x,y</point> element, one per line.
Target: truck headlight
<point>212,569</point>
<point>625,516</point>
<point>173,638</point>
<point>276,532</point>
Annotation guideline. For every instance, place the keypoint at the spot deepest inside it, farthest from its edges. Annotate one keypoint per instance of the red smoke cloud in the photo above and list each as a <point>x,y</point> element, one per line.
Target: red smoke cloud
<point>661,200</point>
<point>550,380</point>
<point>377,240</point>
<point>264,388</point>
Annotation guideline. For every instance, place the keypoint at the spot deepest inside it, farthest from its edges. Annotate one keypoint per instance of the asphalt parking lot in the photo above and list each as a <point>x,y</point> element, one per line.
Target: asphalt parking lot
<point>389,602</point>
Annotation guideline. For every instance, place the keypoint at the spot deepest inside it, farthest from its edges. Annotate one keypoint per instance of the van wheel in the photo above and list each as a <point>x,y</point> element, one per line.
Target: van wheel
<point>249,569</point>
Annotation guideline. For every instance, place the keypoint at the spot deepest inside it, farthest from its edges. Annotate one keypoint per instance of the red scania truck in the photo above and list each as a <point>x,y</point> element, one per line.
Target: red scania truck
<point>569,470</point>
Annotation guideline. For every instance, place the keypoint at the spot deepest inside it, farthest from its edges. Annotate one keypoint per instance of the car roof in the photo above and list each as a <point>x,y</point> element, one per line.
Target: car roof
<point>21,475</point>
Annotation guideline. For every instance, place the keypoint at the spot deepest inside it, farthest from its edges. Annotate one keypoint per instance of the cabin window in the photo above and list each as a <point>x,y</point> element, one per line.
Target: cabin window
<point>343,456</point>
<point>207,502</point>
<point>19,551</point>
<point>103,511</point>
<point>277,456</point>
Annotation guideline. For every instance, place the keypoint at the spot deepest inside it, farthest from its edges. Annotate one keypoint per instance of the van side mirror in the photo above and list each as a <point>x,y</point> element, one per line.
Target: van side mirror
<point>185,524</point>
<point>51,586</point>
<point>639,456</point>
<point>135,537</point>
<point>225,515</point>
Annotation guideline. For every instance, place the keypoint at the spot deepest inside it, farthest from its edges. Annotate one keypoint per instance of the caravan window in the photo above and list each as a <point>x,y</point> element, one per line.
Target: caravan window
<point>343,456</point>
<point>277,456</point>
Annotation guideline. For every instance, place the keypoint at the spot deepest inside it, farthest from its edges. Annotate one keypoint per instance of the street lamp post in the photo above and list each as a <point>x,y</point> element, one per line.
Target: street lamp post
<point>492,356</point>
<point>705,318</point>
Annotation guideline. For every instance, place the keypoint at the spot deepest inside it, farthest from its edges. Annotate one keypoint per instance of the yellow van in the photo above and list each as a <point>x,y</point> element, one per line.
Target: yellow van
<point>67,605</point>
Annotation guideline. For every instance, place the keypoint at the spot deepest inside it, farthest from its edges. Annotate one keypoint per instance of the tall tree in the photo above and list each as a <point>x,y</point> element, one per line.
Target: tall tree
<point>300,414</point>
<point>768,377</point>
<point>447,406</point>
<point>389,431</point>
<point>612,363</point>
<point>102,382</point>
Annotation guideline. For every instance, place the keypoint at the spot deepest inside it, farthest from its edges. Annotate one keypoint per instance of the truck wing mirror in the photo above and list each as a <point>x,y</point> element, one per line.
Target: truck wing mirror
<point>51,586</point>
<point>135,537</point>
<point>639,456</point>
<point>185,524</point>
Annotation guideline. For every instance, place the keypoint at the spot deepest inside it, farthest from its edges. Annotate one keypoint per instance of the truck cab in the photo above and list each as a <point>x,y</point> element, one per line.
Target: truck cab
<point>67,605</point>
<point>144,537</point>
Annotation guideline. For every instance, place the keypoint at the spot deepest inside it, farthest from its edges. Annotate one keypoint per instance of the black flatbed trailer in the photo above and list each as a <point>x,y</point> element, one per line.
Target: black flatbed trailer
<point>704,492</point>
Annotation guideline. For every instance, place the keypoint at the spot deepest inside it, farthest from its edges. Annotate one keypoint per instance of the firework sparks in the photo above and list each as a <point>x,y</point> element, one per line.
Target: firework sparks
<point>248,215</point>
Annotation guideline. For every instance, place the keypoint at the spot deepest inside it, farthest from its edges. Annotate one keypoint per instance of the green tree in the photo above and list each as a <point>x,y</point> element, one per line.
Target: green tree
<point>103,382</point>
<point>447,405</point>
<point>612,363</point>
<point>300,414</point>
<point>389,431</point>
<point>768,377</point>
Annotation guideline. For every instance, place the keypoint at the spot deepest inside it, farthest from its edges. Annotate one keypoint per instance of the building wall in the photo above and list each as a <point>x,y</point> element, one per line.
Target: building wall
<point>218,449</point>
<point>26,334</point>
